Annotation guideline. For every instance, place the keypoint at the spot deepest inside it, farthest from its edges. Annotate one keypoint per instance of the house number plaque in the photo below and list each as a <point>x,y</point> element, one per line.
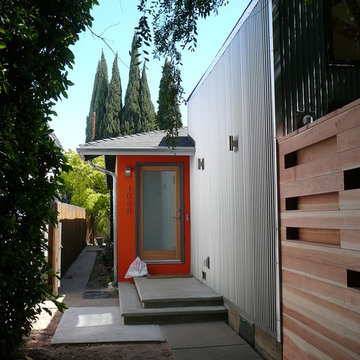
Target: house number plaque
<point>128,199</point>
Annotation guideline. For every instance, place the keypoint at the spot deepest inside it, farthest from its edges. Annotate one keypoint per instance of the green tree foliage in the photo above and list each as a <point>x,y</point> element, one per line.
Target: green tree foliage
<point>112,125</point>
<point>98,101</point>
<point>148,116</point>
<point>174,24</point>
<point>34,51</point>
<point>173,28</point>
<point>168,116</point>
<point>89,118</point>
<point>131,115</point>
<point>86,187</point>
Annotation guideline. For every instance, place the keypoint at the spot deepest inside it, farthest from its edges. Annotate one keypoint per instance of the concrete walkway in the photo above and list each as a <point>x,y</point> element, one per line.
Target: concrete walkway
<point>94,320</point>
<point>74,282</point>
<point>98,321</point>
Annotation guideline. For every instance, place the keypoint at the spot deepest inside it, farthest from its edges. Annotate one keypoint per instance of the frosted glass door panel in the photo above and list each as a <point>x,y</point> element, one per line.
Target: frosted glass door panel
<point>159,210</point>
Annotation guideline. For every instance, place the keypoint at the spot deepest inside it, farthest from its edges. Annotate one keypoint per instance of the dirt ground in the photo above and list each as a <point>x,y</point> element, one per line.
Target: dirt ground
<point>101,274</point>
<point>100,352</point>
<point>38,345</point>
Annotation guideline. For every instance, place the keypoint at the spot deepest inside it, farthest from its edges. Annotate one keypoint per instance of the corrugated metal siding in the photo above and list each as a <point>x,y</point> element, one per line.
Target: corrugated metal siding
<point>233,200</point>
<point>305,81</point>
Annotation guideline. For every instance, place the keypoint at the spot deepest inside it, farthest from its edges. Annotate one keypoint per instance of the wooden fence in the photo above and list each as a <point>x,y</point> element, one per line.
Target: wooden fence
<point>67,239</point>
<point>320,237</point>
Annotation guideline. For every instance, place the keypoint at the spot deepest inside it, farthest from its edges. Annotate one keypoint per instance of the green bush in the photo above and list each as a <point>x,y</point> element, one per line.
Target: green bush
<point>34,51</point>
<point>87,188</point>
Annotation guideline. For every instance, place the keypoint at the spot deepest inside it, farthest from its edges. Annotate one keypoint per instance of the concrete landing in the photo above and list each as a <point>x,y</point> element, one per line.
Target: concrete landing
<point>133,313</point>
<point>208,341</point>
<point>175,292</point>
<point>99,325</point>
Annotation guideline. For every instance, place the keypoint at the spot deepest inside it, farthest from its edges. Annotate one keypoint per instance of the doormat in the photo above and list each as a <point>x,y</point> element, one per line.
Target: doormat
<point>96,295</point>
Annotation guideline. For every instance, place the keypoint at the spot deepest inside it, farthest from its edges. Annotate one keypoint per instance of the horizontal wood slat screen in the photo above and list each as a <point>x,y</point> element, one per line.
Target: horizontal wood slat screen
<point>319,177</point>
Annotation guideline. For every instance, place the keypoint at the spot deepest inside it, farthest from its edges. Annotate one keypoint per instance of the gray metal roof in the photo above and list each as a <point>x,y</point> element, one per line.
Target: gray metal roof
<point>149,143</point>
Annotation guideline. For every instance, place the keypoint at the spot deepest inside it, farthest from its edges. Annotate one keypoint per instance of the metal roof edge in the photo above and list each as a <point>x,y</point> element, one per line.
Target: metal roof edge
<point>225,45</point>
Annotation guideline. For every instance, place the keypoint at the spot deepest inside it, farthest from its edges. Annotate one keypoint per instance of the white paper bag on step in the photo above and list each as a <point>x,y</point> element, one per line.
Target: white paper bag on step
<point>137,269</point>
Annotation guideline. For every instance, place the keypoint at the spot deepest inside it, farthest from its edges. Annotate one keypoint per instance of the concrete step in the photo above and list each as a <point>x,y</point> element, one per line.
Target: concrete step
<point>175,292</point>
<point>133,313</point>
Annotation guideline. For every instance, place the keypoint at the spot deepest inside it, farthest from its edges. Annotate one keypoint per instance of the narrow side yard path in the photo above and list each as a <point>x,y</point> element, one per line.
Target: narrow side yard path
<point>91,329</point>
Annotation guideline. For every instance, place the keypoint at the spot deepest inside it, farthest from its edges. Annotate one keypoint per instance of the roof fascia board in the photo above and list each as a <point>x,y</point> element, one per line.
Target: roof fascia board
<point>135,151</point>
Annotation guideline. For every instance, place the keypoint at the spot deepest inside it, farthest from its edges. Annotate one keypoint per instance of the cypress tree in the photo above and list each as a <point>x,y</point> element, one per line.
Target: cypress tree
<point>148,116</point>
<point>98,100</point>
<point>131,115</point>
<point>89,118</point>
<point>113,104</point>
<point>168,115</point>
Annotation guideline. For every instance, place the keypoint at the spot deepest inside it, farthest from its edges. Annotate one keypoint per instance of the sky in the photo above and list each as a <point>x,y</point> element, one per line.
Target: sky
<point>115,20</point>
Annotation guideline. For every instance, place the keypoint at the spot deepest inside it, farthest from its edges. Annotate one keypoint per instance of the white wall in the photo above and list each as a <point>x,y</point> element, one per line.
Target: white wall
<point>233,200</point>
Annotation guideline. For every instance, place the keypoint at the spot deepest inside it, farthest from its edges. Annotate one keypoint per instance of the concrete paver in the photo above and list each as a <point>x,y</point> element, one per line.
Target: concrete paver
<point>101,324</point>
<point>232,352</point>
<point>213,340</point>
<point>191,335</point>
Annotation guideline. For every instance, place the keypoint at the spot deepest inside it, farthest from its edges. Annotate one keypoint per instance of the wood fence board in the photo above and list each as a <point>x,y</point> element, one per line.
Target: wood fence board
<point>298,349</point>
<point>342,296</point>
<point>326,117</point>
<point>282,205</point>
<point>329,164</point>
<point>350,239</point>
<point>328,201</point>
<point>320,237</point>
<point>325,345</point>
<point>349,139</point>
<point>342,258</point>
<point>322,325</point>
<point>337,124</point>
<point>349,199</point>
<point>342,219</point>
<point>317,185</point>
<point>73,234</point>
<point>317,151</point>
<point>322,308</point>
<point>330,274</point>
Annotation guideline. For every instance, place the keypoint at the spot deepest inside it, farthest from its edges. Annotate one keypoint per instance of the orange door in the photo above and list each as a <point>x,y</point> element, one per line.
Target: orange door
<point>160,213</point>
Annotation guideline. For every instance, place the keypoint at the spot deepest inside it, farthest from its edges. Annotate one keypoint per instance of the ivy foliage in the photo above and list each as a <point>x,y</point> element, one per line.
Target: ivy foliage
<point>86,187</point>
<point>34,52</point>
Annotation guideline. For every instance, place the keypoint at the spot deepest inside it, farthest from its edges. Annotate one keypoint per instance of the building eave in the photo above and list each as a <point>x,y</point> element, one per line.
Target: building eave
<point>91,152</point>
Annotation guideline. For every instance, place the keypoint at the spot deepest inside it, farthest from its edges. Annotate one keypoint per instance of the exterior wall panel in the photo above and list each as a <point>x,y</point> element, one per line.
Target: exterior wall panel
<point>232,199</point>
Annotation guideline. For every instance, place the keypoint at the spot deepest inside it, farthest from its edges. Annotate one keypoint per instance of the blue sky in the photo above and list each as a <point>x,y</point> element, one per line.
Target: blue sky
<point>115,20</point>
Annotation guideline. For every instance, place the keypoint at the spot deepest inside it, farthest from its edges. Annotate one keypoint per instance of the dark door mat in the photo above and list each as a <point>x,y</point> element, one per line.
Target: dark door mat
<point>96,295</point>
